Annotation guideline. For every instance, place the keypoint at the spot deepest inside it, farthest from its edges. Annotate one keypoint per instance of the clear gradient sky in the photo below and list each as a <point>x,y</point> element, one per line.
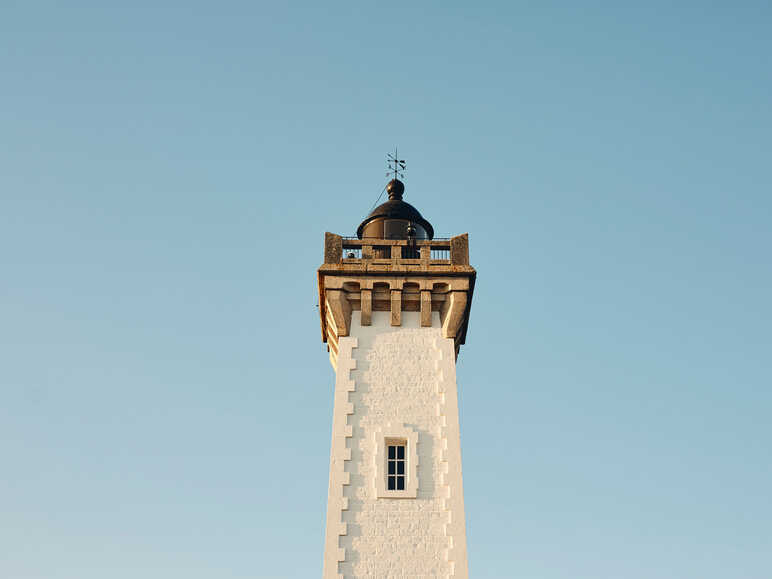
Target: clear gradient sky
<point>168,170</point>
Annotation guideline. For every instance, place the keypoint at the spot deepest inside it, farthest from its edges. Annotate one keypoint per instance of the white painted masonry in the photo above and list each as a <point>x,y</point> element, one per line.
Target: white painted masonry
<point>395,381</point>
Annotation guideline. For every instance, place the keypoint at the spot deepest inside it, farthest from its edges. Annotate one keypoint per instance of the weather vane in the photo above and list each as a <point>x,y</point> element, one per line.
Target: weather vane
<point>396,165</point>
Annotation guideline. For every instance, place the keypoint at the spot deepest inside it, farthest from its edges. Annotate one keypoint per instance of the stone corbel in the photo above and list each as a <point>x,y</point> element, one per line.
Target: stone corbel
<point>426,308</point>
<point>340,308</point>
<point>366,301</point>
<point>452,314</point>
<point>396,307</point>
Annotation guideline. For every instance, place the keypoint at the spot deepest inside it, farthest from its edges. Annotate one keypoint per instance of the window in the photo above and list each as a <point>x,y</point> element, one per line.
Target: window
<point>396,462</point>
<point>396,467</point>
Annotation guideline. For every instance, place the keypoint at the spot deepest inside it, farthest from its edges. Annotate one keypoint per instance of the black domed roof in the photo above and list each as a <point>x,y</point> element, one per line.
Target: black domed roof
<point>396,208</point>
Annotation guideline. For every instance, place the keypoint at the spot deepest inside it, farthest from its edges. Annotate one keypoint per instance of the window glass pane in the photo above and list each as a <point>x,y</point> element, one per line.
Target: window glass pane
<point>396,459</point>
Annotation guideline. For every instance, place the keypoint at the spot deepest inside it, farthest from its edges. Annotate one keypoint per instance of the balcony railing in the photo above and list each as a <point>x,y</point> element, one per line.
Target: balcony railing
<point>426,252</point>
<point>440,253</point>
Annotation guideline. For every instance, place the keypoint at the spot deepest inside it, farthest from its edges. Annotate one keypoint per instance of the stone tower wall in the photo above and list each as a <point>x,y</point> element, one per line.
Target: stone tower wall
<point>393,379</point>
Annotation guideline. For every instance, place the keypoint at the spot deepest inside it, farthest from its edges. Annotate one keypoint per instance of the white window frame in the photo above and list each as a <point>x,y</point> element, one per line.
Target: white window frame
<point>401,434</point>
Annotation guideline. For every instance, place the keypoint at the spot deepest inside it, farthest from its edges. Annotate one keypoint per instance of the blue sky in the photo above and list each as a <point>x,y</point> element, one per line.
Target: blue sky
<point>167,172</point>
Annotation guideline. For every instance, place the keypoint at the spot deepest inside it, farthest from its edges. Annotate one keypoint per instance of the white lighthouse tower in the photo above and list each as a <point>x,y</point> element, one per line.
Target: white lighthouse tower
<point>394,311</point>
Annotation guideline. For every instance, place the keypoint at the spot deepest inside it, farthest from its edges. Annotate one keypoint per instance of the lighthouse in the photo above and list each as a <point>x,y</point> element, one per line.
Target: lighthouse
<point>394,307</point>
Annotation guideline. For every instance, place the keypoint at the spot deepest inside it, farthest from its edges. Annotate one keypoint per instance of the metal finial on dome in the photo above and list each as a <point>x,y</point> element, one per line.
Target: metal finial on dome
<point>395,188</point>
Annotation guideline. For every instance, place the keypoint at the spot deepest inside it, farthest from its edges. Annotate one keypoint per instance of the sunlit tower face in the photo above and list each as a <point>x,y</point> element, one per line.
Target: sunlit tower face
<point>394,311</point>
